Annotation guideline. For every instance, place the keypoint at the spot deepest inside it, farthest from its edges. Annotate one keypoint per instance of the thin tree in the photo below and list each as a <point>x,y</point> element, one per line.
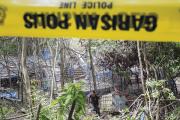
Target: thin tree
<point>25,76</point>
<point>92,65</point>
<point>53,51</point>
<point>62,72</point>
<point>141,70</point>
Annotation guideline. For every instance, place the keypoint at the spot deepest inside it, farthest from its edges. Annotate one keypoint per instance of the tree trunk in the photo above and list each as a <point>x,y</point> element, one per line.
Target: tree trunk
<point>141,68</point>
<point>92,65</point>
<point>145,60</point>
<point>20,81</point>
<point>8,70</point>
<point>141,71</point>
<point>147,72</point>
<point>25,76</point>
<point>38,112</point>
<point>62,65</point>
<point>72,110</point>
<point>53,52</point>
<point>88,74</point>
<point>158,110</point>
<point>5,57</point>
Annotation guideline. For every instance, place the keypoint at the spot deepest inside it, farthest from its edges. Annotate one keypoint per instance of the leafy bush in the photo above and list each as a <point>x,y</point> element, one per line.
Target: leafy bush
<point>174,115</point>
<point>4,111</point>
<point>69,105</point>
<point>158,89</point>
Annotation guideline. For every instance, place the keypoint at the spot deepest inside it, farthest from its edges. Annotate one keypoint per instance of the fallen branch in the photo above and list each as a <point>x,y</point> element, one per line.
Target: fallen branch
<point>24,115</point>
<point>135,101</point>
<point>167,105</point>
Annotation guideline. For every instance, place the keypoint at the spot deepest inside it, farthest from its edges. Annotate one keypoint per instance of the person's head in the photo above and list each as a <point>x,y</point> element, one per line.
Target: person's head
<point>93,92</point>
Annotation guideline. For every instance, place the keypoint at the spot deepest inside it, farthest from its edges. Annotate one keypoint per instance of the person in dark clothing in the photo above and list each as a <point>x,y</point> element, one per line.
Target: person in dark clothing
<point>94,100</point>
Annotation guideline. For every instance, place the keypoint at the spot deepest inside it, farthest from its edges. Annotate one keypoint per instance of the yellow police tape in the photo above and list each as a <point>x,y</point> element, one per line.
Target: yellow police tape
<point>155,20</point>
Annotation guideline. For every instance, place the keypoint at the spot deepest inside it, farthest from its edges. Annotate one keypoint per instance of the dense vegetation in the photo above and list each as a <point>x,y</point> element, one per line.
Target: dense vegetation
<point>24,63</point>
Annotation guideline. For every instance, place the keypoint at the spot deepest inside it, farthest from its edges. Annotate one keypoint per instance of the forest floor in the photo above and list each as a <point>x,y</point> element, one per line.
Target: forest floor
<point>15,108</point>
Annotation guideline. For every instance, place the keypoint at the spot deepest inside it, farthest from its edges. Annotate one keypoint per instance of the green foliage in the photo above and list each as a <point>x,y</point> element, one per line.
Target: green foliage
<point>4,111</point>
<point>117,55</point>
<point>165,56</point>
<point>48,113</point>
<point>133,115</point>
<point>173,67</point>
<point>2,116</point>
<point>174,115</point>
<point>90,117</point>
<point>8,47</point>
<point>60,107</point>
<point>178,44</point>
<point>158,89</point>
<point>37,96</point>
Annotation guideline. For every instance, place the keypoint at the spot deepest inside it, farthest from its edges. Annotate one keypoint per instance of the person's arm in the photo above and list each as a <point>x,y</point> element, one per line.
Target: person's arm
<point>89,99</point>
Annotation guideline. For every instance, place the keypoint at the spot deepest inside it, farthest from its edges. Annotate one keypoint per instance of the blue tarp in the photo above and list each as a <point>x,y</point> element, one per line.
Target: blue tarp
<point>11,94</point>
<point>46,54</point>
<point>104,74</point>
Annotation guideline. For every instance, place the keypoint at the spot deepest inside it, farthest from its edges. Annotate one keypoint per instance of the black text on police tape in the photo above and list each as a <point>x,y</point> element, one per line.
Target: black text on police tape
<point>83,21</point>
